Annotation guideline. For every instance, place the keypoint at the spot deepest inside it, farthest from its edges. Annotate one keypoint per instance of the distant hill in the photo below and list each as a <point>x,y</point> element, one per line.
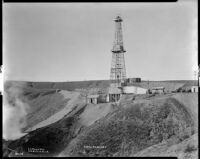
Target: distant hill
<point>71,86</point>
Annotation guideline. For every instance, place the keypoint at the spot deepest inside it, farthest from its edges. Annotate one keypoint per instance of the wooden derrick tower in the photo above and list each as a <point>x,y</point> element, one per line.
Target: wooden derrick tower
<point>118,70</point>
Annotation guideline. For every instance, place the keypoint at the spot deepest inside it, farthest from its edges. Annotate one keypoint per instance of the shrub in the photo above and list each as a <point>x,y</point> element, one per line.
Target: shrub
<point>185,136</point>
<point>190,148</point>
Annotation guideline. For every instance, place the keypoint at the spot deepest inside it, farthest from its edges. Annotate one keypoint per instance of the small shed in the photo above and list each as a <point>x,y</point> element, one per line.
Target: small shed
<point>194,89</point>
<point>157,90</point>
<point>114,93</point>
<point>92,99</point>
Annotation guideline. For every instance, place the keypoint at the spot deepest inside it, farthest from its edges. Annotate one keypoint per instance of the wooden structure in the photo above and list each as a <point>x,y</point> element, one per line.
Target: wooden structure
<point>157,90</point>
<point>194,89</point>
<point>114,93</point>
<point>92,99</point>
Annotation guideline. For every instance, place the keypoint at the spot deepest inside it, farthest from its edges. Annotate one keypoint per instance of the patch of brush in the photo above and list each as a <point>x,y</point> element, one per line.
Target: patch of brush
<point>134,128</point>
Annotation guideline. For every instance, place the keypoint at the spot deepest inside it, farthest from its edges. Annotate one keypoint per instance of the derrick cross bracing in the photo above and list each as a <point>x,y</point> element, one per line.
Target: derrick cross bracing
<point>118,70</point>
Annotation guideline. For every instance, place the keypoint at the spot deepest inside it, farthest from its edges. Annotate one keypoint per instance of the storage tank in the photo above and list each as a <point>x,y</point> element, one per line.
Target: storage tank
<point>134,90</point>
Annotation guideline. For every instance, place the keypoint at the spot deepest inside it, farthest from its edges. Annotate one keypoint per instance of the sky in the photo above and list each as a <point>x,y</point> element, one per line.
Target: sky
<point>73,41</point>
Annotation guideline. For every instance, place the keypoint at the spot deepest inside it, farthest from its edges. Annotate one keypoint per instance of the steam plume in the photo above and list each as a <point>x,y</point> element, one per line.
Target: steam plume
<point>14,112</point>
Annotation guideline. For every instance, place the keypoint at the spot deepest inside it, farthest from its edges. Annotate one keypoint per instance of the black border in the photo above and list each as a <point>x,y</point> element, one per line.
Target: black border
<point>91,1</point>
<point>72,1</point>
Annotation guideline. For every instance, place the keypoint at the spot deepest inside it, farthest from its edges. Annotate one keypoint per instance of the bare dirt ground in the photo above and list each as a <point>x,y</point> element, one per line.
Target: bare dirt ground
<point>190,101</point>
<point>93,113</point>
<point>74,100</point>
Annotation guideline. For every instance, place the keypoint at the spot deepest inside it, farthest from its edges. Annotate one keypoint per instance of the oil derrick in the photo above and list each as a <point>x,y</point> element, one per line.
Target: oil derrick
<point>118,70</point>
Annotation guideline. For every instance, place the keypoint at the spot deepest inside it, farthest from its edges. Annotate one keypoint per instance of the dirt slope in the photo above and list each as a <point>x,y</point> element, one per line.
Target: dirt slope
<point>73,99</point>
<point>93,113</point>
<point>183,150</point>
<point>190,101</point>
<point>127,129</point>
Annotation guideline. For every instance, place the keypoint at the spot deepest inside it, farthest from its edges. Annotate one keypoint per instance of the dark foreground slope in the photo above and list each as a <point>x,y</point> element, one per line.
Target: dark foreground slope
<point>50,139</point>
<point>127,130</point>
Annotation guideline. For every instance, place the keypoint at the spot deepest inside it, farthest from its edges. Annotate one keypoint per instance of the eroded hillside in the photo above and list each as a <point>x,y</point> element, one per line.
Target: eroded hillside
<point>128,128</point>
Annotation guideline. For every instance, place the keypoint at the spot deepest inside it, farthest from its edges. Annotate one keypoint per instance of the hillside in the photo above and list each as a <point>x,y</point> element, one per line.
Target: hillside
<point>187,148</point>
<point>51,108</point>
<point>40,107</point>
<point>125,129</point>
<point>134,127</point>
